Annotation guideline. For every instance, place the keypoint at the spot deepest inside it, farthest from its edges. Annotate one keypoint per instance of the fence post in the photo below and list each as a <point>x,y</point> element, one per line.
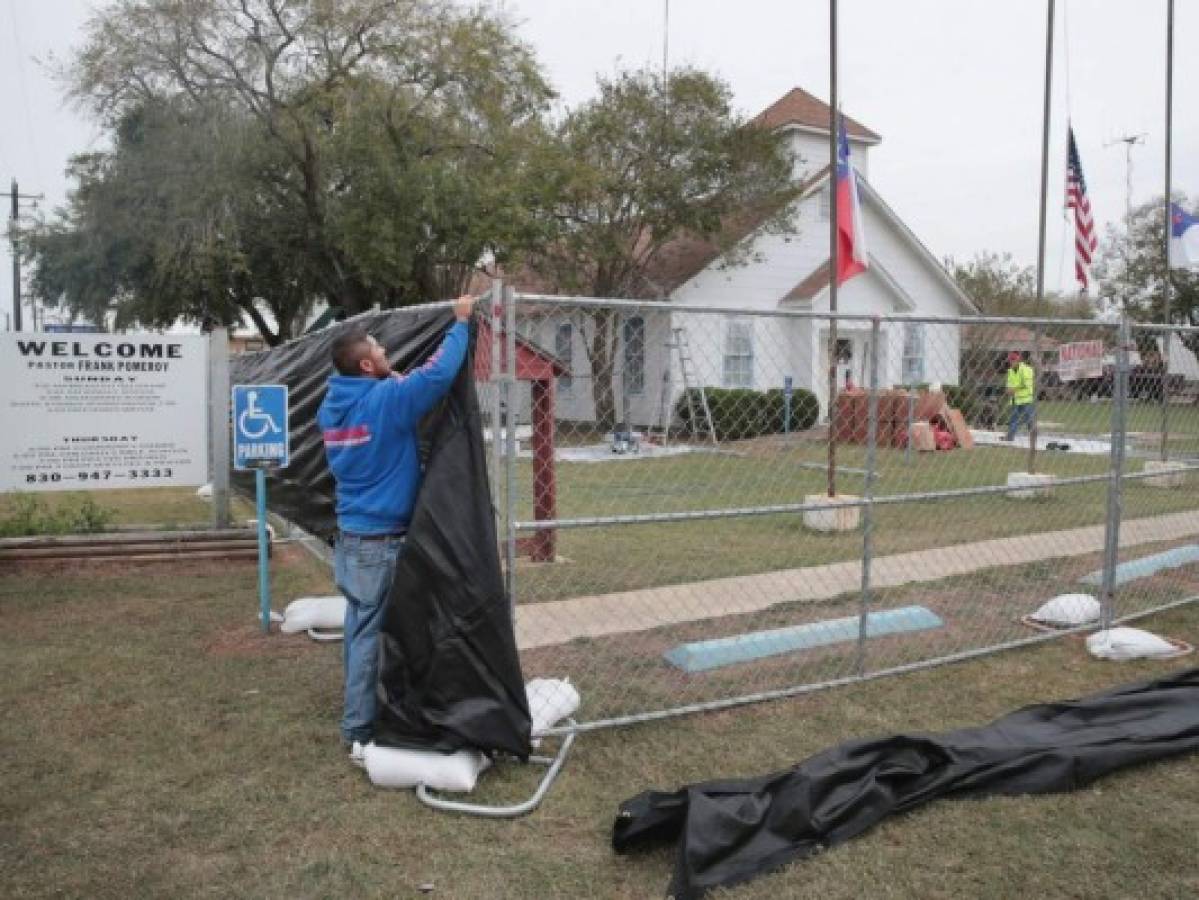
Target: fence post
<point>1115,500</point>
<point>1165,385</point>
<point>868,495</point>
<point>495,321</point>
<point>510,397</point>
<point>218,424</point>
<point>1038,379</point>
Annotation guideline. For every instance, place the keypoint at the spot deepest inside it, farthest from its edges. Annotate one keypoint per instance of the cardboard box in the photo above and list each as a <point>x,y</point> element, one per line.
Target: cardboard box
<point>929,404</point>
<point>922,437</point>
<point>961,431</point>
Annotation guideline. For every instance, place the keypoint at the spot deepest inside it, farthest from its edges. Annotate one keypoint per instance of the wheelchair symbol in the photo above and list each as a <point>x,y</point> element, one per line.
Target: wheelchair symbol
<point>263,422</point>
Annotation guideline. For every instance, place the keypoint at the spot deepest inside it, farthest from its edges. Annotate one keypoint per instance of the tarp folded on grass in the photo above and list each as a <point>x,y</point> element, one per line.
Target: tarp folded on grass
<point>731,831</point>
<point>449,673</point>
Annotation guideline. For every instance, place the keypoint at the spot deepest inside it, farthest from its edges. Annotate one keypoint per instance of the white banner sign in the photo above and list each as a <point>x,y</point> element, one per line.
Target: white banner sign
<point>1081,359</point>
<point>94,411</point>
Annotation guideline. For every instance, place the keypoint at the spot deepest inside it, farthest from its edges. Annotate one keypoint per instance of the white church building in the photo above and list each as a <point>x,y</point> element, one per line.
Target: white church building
<point>740,344</point>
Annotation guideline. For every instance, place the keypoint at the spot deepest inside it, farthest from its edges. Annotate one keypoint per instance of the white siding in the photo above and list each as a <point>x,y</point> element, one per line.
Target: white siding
<point>782,346</point>
<point>1182,361</point>
<point>811,152</point>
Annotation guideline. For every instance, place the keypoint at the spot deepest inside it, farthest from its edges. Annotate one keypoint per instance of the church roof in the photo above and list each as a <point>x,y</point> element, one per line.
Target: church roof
<point>798,107</point>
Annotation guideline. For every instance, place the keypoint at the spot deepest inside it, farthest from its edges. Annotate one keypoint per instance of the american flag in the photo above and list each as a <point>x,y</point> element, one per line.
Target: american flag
<point>1085,241</point>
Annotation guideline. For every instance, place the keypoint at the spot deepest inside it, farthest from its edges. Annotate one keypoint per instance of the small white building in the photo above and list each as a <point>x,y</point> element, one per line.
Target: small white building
<point>740,344</point>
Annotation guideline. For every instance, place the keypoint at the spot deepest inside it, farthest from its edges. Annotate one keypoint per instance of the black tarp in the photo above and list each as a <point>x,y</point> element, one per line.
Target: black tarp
<point>731,831</point>
<point>449,670</point>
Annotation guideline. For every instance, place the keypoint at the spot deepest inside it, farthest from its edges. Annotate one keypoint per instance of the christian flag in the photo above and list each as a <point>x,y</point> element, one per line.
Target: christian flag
<point>1184,239</point>
<point>851,240</point>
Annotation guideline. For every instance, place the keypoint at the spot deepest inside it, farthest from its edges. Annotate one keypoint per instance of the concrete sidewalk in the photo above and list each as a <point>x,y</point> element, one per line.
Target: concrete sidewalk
<point>559,621</point>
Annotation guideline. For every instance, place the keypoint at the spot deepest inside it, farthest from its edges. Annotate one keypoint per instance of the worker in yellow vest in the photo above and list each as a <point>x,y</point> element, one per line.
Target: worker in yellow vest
<point>1022,391</point>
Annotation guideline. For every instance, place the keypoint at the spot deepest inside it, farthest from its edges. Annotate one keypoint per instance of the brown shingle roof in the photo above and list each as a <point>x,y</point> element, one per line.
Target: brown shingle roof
<point>810,286</point>
<point>685,257</point>
<point>798,107</point>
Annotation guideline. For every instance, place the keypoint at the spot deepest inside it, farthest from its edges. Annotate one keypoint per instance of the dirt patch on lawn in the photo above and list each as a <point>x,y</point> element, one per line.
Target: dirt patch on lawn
<point>247,641</point>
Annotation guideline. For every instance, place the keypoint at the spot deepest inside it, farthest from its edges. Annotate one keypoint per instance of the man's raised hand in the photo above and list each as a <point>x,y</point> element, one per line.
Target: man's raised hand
<point>464,306</point>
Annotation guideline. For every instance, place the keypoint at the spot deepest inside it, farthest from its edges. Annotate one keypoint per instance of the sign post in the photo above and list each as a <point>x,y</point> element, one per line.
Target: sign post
<point>260,442</point>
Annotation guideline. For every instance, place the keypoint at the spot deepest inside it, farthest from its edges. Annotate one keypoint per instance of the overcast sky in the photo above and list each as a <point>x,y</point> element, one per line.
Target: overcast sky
<point>953,86</point>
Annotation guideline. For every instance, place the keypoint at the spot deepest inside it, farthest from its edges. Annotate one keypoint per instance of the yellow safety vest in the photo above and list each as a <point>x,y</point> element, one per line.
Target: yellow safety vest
<point>1021,382</point>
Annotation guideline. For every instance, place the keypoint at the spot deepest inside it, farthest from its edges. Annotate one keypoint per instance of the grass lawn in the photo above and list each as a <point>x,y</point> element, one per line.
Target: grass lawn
<point>1143,416</point>
<point>157,745</point>
<point>777,471</point>
<point>158,507</point>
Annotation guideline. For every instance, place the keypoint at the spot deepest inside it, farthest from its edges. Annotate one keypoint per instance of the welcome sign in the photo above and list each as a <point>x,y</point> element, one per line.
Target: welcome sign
<point>103,411</point>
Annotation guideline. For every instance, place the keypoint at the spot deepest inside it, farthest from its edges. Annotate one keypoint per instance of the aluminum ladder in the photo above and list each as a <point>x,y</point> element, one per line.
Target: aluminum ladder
<point>699,413</point>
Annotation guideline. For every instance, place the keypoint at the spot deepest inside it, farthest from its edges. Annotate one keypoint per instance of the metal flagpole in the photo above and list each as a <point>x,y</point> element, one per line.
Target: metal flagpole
<point>1036,361</point>
<point>1168,337</point>
<point>832,252</point>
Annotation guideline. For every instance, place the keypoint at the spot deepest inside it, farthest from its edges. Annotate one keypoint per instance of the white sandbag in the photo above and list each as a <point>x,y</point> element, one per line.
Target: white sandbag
<point>314,612</point>
<point>391,767</point>
<point>550,701</point>
<point>1068,610</point>
<point>204,491</point>
<point>1130,643</point>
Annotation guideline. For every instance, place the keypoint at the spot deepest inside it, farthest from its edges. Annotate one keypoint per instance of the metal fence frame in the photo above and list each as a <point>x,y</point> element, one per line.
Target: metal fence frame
<point>503,311</point>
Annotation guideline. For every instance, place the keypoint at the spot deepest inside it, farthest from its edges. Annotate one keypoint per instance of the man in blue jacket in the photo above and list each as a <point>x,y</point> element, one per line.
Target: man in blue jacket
<point>369,420</point>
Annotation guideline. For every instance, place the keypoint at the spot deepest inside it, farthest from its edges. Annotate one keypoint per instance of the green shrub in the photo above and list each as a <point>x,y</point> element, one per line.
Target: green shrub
<point>90,517</point>
<point>739,413</point>
<point>30,515</point>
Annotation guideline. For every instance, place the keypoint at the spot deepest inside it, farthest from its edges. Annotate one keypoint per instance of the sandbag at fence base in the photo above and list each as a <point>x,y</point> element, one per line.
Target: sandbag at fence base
<point>321,613</point>
<point>1133,643</point>
<point>1068,611</point>
<point>390,767</point>
<point>550,701</point>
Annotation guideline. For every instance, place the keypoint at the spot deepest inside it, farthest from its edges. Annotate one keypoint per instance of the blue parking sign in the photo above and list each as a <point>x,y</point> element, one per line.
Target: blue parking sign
<point>260,431</point>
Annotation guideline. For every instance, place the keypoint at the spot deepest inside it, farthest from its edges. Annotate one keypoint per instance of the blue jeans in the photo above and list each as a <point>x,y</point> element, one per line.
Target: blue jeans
<point>364,570</point>
<point>1025,412</point>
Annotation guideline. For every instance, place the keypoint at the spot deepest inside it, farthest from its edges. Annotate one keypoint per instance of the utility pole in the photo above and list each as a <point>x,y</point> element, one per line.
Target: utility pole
<point>14,215</point>
<point>665,40</point>
<point>1037,329</point>
<point>1129,141</point>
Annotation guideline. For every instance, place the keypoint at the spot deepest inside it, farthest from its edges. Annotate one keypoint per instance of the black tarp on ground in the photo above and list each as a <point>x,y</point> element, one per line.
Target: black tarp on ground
<point>449,670</point>
<point>731,831</point>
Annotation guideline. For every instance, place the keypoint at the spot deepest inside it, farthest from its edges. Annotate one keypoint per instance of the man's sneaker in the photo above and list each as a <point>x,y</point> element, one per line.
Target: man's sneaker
<point>358,755</point>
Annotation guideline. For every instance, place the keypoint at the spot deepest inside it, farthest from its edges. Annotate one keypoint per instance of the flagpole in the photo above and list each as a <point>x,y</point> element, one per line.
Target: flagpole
<point>832,252</point>
<point>1036,361</point>
<point>1168,336</point>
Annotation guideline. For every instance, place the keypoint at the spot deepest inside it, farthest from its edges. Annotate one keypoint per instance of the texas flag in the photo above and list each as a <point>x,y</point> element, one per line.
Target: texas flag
<point>851,240</point>
<point>1184,239</point>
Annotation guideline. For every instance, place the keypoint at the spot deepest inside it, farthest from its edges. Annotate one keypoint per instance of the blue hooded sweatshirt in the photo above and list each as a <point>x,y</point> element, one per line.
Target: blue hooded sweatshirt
<point>370,430</point>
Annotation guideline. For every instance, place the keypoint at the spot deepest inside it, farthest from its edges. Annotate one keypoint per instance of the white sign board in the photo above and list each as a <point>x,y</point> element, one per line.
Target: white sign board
<point>95,411</point>
<point>1081,359</point>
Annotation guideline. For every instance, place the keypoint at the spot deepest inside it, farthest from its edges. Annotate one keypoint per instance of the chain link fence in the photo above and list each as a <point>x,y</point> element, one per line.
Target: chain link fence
<point>692,518</point>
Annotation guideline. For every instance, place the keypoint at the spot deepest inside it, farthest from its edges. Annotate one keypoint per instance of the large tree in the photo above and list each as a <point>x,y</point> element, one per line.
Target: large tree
<point>166,227</point>
<point>1000,286</point>
<point>651,160</point>
<point>1132,270</point>
<point>378,149</point>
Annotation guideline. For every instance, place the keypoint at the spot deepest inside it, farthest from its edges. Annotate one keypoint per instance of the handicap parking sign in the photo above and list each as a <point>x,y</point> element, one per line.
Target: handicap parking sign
<point>260,432</point>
